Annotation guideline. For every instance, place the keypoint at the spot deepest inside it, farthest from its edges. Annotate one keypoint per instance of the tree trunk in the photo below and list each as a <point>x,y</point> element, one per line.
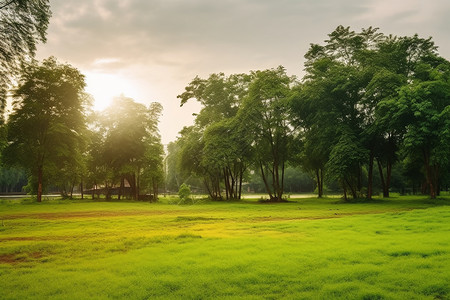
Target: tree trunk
<point>281,187</point>
<point>382,179</point>
<point>359,181</point>
<point>120,193</point>
<point>241,175</point>
<point>345,191</point>
<point>430,176</point>
<point>138,187</point>
<point>39,190</point>
<point>82,189</point>
<point>155,189</point>
<point>210,191</point>
<point>370,177</point>
<point>265,181</point>
<point>227,183</point>
<point>352,189</point>
<point>388,179</point>
<point>71,190</point>
<point>319,180</point>
<point>107,192</point>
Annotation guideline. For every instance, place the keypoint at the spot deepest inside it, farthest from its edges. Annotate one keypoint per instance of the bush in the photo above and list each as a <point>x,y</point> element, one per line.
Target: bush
<point>184,193</point>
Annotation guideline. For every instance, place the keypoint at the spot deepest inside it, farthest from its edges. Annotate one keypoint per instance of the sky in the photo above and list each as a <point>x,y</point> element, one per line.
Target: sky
<point>150,50</point>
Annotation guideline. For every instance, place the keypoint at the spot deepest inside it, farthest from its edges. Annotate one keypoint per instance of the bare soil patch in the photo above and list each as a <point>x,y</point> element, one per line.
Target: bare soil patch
<point>13,259</point>
<point>84,214</point>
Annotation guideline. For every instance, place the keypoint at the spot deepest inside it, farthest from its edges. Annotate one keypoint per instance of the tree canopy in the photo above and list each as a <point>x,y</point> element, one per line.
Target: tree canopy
<point>23,23</point>
<point>46,128</point>
<point>368,101</point>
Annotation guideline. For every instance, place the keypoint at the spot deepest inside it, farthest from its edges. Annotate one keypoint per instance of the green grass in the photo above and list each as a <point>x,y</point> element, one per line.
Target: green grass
<point>395,248</point>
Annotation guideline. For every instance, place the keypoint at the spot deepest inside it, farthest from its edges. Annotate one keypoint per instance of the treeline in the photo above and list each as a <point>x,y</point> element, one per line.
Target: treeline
<point>370,108</point>
<point>55,140</point>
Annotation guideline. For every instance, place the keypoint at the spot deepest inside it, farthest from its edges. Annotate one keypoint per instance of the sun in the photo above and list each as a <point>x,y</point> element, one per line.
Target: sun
<point>104,87</point>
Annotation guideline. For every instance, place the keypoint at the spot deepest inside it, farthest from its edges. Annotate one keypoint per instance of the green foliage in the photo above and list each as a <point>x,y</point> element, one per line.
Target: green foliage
<point>265,115</point>
<point>366,96</point>
<point>126,145</point>
<point>12,180</point>
<point>184,192</point>
<point>215,149</point>
<point>45,131</point>
<point>22,25</point>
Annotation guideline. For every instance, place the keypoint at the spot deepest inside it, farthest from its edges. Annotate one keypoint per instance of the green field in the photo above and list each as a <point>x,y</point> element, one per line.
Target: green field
<point>397,248</point>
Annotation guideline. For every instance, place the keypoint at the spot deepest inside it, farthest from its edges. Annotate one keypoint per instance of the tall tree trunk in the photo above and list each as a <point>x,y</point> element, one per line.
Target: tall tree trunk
<point>430,177</point>
<point>265,181</point>
<point>370,177</point>
<point>71,190</point>
<point>227,183</point>
<point>107,191</point>
<point>388,179</point>
<point>281,187</point>
<point>352,189</point>
<point>82,189</point>
<point>120,193</point>
<point>233,183</point>
<point>241,175</point>
<point>380,170</point>
<point>138,186</point>
<point>359,181</point>
<point>319,180</point>
<point>218,191</point>
<point>155,188</point>
<point>39,190</point>
<point>210,191</point>
<point>345,190</point>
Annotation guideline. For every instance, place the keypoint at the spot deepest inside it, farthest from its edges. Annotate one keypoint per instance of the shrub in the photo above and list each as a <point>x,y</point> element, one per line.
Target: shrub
<point>184,193</point>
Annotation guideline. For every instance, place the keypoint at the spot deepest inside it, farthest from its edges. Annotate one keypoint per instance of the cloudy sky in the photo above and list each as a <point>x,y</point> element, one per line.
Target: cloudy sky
<point>151,49</point>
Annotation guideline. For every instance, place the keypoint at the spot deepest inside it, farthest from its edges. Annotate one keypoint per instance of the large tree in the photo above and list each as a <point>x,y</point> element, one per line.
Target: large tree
<point>48,121</point>
<point>343,99</point>
<point>23,23</point>
<point>125,145</point>
<point>265,117</point>
<point>422,112</point>
<point>219,156</point>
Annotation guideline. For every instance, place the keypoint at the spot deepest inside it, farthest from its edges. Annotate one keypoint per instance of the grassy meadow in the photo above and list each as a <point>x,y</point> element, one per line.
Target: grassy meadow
<point>397,248</point>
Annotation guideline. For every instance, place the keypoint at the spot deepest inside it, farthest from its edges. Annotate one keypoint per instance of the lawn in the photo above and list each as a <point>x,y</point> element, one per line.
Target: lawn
<point>397,248</point>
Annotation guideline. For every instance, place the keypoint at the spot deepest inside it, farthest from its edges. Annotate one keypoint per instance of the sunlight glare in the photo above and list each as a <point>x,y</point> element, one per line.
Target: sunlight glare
<point>104,87</point>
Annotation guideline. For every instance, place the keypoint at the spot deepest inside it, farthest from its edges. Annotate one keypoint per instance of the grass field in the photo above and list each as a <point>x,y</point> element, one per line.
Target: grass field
<point>397,248</point>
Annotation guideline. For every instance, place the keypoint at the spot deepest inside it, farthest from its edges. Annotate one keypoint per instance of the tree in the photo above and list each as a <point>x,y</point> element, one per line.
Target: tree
<point>153,169</point>
<point>184,193</point>
<point>392,66</point>
<point>48,120</point>
<point>23,23</point>
<point>174,177</point>
<point>12,180</point>
<point>127,146</point>
<point>349,82</point>
<point>309,108</point>
<point>423,111</point>
<point>265,116</point>
<point>345,161</point>
<point>226,150</point>
<point>218,157</point>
